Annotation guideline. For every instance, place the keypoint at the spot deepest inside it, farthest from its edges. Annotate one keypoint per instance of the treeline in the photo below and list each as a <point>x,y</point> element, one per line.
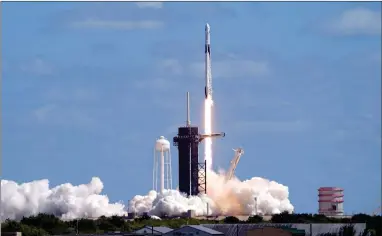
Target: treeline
<point>45,224</point>
<point>373,223</point>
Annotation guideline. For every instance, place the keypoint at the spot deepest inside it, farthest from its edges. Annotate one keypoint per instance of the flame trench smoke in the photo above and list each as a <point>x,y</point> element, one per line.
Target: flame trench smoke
<point>65,201</point>
<point>208,130</point>
<point>233,197</point>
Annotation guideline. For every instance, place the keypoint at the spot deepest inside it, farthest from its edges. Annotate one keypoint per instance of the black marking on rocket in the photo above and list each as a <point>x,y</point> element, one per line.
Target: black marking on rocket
<point>207,48</point>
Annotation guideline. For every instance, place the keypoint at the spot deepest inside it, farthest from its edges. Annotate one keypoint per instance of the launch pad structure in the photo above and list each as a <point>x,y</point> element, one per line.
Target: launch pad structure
<point>187,141</point>
<point>192,173</point>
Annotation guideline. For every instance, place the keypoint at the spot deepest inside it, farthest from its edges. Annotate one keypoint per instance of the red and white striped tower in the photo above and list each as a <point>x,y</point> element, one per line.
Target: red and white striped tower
<point>331,201</point>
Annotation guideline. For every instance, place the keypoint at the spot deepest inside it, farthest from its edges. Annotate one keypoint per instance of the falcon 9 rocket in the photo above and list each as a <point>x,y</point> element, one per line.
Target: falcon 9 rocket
<point>207,51</point>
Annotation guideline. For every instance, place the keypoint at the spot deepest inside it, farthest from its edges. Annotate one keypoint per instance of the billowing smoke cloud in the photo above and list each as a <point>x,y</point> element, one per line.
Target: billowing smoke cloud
<point>234,197</point>
<point>66,201</point>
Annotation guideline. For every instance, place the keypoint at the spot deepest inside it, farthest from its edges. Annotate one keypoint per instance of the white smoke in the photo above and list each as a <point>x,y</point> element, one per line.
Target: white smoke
<point>171,203</point>
<point>234,197</point>
<point>66,201</point>
<point>224,198</point>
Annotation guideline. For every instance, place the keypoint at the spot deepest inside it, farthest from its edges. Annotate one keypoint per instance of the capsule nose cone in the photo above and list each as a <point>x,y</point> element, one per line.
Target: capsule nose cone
<point>207,27</point>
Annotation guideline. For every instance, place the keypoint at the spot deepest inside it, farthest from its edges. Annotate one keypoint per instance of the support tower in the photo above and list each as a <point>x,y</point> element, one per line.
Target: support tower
<point>192,174</point>
<point>187,141</point>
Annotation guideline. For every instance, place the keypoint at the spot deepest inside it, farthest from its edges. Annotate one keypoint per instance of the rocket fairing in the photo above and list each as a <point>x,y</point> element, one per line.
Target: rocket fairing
<point>207,51</point>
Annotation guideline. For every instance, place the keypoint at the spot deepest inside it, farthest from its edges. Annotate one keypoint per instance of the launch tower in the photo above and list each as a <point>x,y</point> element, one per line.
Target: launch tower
<point>187,141</point>
<point>192,173</point>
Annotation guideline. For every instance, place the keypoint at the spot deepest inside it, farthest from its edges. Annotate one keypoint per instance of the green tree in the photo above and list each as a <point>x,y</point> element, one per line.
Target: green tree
<point>105,225</point>
<point>176,223</point>
<point>283,217</point>
<point>117,221</point>
<point>231,220</point>
<point>26,230</point>
<point>126,227</point>
<point>143,218</point>
<point>320,218</point>
<point>10,226</point>
<point>86,226</point>
<point>360,218</point>
<point>48,222</point>
<point>255,219</point>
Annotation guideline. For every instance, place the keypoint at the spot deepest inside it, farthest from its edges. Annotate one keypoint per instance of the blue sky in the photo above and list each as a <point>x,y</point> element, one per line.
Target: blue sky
<point>88,87</point>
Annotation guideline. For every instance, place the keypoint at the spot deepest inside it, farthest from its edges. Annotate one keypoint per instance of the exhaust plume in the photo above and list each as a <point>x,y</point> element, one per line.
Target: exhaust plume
<point>65,201</point>
<point>208,130</point>
<point>234,197</point>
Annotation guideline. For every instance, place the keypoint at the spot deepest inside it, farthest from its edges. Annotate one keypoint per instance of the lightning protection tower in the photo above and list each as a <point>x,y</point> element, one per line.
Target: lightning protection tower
<point>162,165</point>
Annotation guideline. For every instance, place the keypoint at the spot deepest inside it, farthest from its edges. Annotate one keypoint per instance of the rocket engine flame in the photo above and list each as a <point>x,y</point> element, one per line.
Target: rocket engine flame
<point>208,130</point>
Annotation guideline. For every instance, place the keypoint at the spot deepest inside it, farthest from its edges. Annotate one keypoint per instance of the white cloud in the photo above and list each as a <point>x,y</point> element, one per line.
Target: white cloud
<point>358,21</point>
<point>37,67</point>
<point>233,68</point>
<point>118,25</point>
<point>156,5</point>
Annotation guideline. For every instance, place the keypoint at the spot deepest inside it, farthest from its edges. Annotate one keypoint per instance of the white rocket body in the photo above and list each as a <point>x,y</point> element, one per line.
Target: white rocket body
<point>207,51</point>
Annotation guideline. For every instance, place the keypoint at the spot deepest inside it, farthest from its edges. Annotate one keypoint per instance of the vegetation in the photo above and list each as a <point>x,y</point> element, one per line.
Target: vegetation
<point>44,224</point>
